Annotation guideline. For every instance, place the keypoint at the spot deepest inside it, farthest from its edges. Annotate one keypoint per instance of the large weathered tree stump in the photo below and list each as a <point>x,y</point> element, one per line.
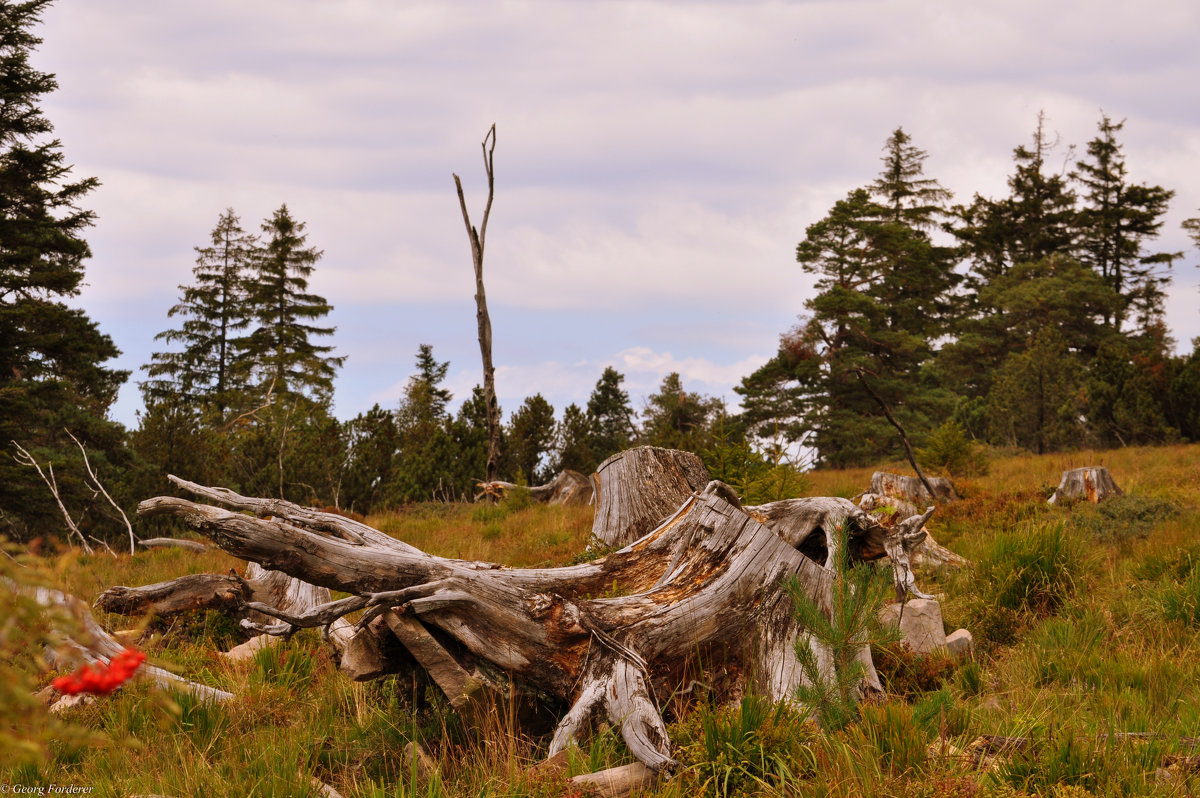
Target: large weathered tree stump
<point>638,488</point>
<point>910,488</point>
<point>612,638</point>
<point>1093,484</point>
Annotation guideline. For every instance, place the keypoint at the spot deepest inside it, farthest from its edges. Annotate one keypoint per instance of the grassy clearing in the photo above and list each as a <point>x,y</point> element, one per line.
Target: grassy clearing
<point>1087,621</point>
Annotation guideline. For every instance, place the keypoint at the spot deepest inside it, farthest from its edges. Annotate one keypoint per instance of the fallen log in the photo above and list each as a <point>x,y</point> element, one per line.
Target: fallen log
<point>569,488</point>
<point>912,489</point>
<point>637,488</point>
<point>1093,484</point>
<point>612,637</point>
<point>177,543</point>
<point>92,644</point>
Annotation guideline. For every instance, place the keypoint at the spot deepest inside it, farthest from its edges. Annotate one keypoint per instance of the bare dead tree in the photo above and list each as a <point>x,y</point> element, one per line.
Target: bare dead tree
<point>477,239</point>
<point>26,458</point>
<point>100,488</point>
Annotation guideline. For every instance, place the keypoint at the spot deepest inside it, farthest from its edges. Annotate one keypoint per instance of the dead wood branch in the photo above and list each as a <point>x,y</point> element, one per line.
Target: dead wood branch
<point>27,459</point>
<point>100,487</point>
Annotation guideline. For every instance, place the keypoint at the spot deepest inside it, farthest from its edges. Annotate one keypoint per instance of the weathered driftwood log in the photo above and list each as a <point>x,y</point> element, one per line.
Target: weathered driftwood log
<point>569,487</point>
<point>637,488</point>
<point>612,637</point>
<point>890,511</point>
<point>225,592</point>
<point>1093,484</point>
<point>176,543</point>
<point>910,488</point>
<point>92,644</point>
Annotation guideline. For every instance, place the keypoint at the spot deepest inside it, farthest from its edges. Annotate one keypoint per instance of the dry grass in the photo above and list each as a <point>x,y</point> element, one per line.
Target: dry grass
<point>1119,652</point>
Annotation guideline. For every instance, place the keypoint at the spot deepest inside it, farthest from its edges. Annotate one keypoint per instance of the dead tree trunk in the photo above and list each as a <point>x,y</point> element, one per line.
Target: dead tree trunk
<point>638,488</point>
<point>1093,484</point>
<point>613,637</point>
<point>478,238</point>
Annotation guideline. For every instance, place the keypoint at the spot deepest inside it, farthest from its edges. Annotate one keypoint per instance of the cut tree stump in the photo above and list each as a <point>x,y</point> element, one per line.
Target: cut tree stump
<point>910,488</point>
<point>637,488</point>
<point>569,487</point>
<point>1093,484</point>
<point>614,638</point>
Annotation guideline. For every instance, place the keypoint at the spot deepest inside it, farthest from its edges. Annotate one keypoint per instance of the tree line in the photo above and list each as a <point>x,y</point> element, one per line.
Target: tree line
<point>1033,319</point>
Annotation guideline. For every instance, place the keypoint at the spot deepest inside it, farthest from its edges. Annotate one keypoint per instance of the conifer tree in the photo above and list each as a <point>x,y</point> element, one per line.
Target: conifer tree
<point>1036,220</point>
<point>214,315</point>
<point>610,416</point>
<point>679,419</point>
<point>1116,221</point>
<point>52,375</point>
<point>574,436</point>
<point>280,351</point>
<point>531,438</point>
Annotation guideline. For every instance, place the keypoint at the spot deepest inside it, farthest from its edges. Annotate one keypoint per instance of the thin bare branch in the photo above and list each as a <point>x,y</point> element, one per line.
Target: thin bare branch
<point>27,459</point>
<point>96,481</point>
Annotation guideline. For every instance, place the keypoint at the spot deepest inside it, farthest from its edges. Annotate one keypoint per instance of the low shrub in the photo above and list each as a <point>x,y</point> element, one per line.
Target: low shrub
<point>906,674</point>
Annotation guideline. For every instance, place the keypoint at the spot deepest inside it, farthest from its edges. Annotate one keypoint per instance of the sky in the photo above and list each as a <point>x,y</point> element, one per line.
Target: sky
<point>656,163</point>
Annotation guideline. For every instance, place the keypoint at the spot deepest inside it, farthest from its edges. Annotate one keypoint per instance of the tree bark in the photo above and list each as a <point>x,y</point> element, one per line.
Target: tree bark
<point>484,322</point>
<point>638,488</point>
<point>613,637</point>
<point>1093,484</point>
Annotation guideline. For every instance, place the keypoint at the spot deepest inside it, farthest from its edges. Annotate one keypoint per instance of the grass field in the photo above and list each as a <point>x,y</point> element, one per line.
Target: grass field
<point>1086,618</point>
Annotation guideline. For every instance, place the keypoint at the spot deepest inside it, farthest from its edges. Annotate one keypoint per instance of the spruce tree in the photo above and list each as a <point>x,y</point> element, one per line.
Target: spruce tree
<point>279,351</point>
<point>52,375</point>
<point>1115,222</point>
<point>1036,220</point>
<point>530,438</point>
<point>610,416</point>
<point>574,436</point>
<point>679,419</point>
<point>213,309</point>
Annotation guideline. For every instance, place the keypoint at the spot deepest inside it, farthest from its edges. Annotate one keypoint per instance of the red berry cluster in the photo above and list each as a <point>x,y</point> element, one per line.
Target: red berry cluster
<point>101,679</point>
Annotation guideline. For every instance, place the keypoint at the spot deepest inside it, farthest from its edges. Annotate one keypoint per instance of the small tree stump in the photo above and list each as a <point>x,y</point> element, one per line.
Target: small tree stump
<point>1092,483</point>
<point>638,488</point>
<point>911,490</point>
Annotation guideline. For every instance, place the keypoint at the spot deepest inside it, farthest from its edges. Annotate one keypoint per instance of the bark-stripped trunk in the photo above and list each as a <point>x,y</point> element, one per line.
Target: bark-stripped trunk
<point>484,322</point>
<point>613,637</point>
<point>638,488</point>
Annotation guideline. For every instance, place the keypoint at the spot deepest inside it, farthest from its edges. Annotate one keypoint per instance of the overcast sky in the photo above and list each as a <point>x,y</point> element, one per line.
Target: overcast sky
<point>656,163</point>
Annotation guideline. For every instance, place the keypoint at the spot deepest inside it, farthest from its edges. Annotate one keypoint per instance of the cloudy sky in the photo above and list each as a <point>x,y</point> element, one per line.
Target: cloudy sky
<point>657,162</point>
